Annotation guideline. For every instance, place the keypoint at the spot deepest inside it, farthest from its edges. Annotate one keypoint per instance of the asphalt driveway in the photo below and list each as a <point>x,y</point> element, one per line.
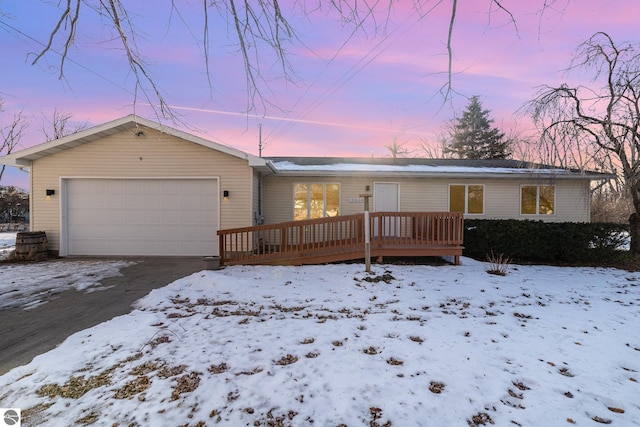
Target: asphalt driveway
<point>25,334</point>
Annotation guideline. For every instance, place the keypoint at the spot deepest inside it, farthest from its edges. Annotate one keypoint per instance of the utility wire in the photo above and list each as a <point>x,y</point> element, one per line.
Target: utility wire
<point>347,75</point>
<point>17,32</point>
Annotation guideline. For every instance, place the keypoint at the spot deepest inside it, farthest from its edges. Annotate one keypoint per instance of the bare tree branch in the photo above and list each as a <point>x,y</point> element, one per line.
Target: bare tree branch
<point>449,85</point>
<point>72,22</point>
<point>11,134</point>
<point>597,125</point>
<point>260,28</point>
<point>58,126</point>
<point>397,150</point>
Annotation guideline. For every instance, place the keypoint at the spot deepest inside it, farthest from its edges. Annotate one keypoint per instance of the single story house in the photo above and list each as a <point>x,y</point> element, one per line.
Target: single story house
<point>135,187</point>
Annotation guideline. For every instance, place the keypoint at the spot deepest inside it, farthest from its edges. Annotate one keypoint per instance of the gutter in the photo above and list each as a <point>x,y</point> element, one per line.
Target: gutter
<point>447,175</point>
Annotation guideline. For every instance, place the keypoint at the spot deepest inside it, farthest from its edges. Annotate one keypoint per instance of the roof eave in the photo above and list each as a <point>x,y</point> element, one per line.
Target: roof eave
<point>457,175</point>
<point>26,156</point>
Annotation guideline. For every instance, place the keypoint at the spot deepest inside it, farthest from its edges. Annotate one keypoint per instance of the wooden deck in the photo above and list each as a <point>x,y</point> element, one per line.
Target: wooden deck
<point>342,238</point>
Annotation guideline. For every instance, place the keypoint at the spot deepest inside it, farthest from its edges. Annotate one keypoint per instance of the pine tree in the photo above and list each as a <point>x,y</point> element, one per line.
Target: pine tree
<point>472,137</point>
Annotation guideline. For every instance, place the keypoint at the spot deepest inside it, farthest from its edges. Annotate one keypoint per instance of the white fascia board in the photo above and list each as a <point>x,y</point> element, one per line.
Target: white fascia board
<point>524,174</point>
<point>24,157</point>
<point>69,141</point>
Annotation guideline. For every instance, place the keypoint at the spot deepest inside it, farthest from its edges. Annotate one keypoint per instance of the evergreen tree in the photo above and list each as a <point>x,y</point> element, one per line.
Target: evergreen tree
<point>472,137</point>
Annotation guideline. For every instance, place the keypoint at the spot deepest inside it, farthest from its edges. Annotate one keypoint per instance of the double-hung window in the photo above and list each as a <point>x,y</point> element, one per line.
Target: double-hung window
<point>466,198</point>
<point>537,200</point>
<point>315,200</point>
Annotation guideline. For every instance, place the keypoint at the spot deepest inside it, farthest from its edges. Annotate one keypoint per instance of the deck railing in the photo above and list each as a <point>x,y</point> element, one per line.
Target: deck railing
<point>342,238</point>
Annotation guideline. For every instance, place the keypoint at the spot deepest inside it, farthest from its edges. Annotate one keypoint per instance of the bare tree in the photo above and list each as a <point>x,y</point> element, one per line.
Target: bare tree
<point>58,126</point>
<point>397,150</point>
<point>11,134</point>
<point>258,26</point>
<point>601,122</point>
<point>433,149</point>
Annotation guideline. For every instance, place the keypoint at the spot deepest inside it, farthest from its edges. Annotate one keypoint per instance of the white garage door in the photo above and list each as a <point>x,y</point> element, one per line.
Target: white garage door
<point>142,216</point>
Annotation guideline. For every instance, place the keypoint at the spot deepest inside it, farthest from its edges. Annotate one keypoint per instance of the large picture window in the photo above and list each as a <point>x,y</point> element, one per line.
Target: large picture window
<point>315,200</point>
<point>466,198</point>
<point>537,200</point>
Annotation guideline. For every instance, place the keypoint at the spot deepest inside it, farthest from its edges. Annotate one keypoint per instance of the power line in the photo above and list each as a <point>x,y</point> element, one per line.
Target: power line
<point>17,32</point>
<point>349,74</point>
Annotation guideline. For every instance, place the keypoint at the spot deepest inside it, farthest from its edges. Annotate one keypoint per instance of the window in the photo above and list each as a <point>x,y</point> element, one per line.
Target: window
<point>466,198</point>
<point>315,201</point>
<point>537,200</point>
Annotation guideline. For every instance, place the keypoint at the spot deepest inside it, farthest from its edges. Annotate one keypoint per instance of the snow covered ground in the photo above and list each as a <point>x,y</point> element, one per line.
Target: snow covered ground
<point>7,244</point>
<point>334,346</point>
<point>29,285</point>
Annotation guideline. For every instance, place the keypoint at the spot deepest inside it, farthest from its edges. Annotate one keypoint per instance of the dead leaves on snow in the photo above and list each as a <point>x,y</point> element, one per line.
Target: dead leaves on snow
<point>370,351</point>
<point>436,387</point>
<point>133,387</point>
<point>417,339</point>
<point>186,384</point>
<point>219,369</point>
<point>271,419</point>
<point>286,360</point>
<point>376,414</point>
<point>76,387</point>
<point>480,419</point>
<point>395,362</point>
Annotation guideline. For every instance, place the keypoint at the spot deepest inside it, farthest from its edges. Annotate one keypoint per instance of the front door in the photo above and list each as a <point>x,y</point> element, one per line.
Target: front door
<point>386,199</point>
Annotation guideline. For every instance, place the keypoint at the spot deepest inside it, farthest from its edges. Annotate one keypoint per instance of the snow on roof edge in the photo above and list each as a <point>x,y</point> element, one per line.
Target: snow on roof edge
<point>287,166</point>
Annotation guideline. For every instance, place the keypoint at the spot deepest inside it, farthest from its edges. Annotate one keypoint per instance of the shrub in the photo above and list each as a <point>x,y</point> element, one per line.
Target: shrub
<point>537,241</point>
<point>498,264</point>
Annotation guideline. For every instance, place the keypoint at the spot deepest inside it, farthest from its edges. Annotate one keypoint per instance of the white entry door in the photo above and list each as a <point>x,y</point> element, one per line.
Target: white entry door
<point>386,199</point>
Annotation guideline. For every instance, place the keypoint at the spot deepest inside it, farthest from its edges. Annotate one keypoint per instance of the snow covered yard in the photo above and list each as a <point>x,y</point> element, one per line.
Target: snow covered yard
<point>333,346</point>
<point>7,244</point>
<point>30,284</point>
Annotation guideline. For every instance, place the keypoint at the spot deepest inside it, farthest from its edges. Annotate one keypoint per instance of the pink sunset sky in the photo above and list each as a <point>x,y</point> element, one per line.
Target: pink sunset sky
<point>348,95</point>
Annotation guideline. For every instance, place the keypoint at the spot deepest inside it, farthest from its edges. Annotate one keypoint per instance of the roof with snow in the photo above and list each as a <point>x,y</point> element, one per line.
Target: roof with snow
<point>492,168</point>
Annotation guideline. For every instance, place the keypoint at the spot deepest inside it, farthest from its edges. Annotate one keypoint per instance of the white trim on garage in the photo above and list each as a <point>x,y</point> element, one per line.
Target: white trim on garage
<point>127,216</point>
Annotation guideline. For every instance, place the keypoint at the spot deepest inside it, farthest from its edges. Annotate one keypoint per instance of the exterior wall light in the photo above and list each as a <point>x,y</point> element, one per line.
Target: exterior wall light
<point>225,194</point>
<point>50,192</point>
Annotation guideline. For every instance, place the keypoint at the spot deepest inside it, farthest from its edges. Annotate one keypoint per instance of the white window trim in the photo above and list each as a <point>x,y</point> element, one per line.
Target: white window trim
<point>538,200</point>
<point>324,196</point>
<point>466,198</point>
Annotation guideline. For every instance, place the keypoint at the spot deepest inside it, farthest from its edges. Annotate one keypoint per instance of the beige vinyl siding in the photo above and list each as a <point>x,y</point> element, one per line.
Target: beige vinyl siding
<point>501,196</point>
<point>278,195</point>
<point>154,155</point>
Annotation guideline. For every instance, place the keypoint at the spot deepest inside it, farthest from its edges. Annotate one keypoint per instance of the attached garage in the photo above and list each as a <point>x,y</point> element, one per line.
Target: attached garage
<point>140,216</point>
<point>134,187</point>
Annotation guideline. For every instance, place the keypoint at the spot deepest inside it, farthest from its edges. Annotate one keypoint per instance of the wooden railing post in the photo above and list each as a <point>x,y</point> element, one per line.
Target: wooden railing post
<point>367,241</point>
<point>283,239</point>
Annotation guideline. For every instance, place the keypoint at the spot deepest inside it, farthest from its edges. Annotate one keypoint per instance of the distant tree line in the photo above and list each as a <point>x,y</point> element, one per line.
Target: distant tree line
<point>14,205</point>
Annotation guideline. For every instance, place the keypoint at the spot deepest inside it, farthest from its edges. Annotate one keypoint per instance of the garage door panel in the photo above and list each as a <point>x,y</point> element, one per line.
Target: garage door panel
<point>142,216</point>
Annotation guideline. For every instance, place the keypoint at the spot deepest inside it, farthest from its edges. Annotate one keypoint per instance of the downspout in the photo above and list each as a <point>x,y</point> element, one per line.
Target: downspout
<point>31,196</point>
<point>259,219</point>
